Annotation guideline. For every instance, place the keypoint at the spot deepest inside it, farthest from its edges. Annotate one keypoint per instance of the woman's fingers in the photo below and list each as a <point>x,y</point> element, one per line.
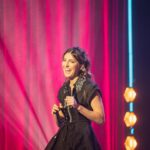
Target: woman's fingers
<point>55,108</point>
<point>60,105</point>
<point>70,101</point>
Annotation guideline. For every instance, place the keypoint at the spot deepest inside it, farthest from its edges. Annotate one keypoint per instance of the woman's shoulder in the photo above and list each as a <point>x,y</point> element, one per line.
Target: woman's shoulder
<point>91,86</point>
<point>90,82</point>
<point>90,90</point>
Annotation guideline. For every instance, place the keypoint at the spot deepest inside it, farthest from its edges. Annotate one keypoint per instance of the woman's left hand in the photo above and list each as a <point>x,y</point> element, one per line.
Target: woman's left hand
<point>71,101</point>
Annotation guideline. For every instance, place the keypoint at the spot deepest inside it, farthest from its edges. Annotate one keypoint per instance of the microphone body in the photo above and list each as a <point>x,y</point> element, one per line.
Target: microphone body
<point>68,111</point>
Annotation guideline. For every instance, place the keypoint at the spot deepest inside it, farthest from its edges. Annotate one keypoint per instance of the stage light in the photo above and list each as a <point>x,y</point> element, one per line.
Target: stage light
<point>129,94</point>
<point>130,143</point>
<point>130,119</point>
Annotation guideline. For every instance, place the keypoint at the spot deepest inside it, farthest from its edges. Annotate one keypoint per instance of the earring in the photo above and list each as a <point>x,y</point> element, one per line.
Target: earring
<point>83,69</point>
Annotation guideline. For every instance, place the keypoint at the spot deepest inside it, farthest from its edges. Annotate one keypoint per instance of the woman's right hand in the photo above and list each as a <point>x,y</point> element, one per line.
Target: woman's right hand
<point>55,109</point>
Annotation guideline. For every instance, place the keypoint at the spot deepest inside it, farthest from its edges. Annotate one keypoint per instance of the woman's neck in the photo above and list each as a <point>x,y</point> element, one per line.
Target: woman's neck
<point>73,81</point>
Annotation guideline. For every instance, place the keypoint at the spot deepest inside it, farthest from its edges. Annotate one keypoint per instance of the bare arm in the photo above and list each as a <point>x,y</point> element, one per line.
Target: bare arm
<point>97,114</point>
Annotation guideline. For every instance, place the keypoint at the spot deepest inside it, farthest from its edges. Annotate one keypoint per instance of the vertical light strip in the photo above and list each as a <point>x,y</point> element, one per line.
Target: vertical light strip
<point>131,107</point>
<point>130,48</point>
<point>132,130</point>
<point>130,53</point>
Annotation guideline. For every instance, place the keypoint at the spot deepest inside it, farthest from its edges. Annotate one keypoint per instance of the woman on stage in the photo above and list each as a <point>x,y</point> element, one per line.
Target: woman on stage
<point>80,103</point>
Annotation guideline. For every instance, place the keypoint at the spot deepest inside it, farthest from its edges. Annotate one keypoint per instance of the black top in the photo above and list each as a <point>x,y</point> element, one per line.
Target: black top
<point>75,131</point>
<point>84,91</point>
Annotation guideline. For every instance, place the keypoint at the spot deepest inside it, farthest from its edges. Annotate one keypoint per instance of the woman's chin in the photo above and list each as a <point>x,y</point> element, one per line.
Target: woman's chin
<point>67,76</point>
<point>71,77</point>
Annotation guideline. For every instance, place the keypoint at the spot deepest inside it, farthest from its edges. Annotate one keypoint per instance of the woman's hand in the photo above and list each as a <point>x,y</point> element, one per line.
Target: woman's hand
<point>71,101</point>
<point>56,109</point>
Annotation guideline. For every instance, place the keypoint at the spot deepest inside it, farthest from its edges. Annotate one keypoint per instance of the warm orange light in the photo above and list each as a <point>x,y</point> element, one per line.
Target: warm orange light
<point>129,94</point>
<point>130,143</point>
<point>130,119</point>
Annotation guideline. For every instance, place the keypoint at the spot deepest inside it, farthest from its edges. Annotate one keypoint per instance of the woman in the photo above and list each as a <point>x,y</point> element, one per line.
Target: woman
<point>80,103</point>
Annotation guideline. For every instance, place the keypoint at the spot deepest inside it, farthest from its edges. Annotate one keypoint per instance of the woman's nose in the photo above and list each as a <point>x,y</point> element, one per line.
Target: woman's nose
<point>66,64</point>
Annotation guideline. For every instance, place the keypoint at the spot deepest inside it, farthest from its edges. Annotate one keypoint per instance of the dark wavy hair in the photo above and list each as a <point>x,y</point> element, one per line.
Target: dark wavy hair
<point>80,55</point>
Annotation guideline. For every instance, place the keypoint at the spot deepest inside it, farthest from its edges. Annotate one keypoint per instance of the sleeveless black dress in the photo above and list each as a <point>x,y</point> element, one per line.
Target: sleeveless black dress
<point>75,132</point>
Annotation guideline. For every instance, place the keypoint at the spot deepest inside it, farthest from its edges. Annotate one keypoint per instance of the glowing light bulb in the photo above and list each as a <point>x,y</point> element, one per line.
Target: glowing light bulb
<point>130,119</point>
<point>130,143</point>
<point>129,94</point>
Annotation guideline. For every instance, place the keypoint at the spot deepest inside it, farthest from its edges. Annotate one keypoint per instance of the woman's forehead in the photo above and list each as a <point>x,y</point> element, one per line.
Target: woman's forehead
<point>69,56</point>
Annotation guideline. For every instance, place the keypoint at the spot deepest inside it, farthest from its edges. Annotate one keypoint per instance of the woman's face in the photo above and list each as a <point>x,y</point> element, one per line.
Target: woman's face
<point>70,66</point>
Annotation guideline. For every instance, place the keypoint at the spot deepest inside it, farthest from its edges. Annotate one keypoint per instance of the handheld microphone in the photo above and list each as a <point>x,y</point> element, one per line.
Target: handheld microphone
<point>69,111</point>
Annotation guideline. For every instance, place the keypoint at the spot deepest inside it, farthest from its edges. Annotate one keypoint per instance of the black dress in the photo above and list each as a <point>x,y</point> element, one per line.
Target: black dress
<point>75,132</point>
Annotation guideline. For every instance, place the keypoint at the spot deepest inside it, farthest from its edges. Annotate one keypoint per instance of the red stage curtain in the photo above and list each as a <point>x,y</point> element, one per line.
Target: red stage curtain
<point>33,37</point>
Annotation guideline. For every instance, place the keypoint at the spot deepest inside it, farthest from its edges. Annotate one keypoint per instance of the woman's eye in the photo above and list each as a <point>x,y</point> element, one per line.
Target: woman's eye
<point>72,61</point>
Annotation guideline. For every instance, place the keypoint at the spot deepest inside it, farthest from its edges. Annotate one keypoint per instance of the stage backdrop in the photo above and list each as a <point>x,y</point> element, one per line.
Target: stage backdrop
<point>33,36</point>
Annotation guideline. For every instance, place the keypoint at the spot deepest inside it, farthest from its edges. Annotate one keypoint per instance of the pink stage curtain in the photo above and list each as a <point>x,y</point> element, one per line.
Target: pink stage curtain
<point>33,37</point>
